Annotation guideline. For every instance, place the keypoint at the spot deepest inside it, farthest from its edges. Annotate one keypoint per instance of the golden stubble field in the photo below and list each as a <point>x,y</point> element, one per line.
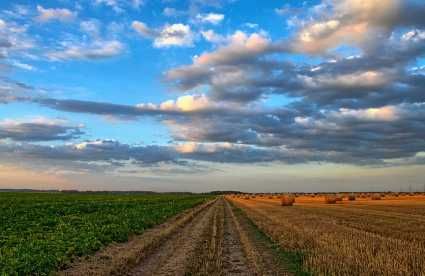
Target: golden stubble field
<point>369,235</point>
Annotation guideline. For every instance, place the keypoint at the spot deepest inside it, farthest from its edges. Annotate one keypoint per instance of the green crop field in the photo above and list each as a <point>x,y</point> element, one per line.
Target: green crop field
<point>41,232</point>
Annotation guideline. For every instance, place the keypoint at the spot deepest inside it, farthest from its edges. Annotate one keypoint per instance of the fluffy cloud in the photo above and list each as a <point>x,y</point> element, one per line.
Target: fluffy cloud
<point>14,39</point>
<point>355,22</point>
<point>187,103</point>
<point>45,15</point>
<point>244,70</point>
<point>211,18</point>
<point>226,63</point>
<point>241,46</point>
<point>167,36</point>
<point>174,35</point>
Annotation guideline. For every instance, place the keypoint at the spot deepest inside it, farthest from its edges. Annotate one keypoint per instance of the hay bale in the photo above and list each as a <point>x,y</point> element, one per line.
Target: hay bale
<point>287,200</point>
<point>338,198</point>
<point>376,197</point>
<point>330,199</point>
<point>351,197</point>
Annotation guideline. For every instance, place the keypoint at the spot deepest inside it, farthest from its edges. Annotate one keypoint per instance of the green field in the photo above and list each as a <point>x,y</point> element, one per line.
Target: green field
<point>41,232</point>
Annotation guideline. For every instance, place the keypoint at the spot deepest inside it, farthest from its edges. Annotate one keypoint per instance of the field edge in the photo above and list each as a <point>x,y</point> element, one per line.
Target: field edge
<point>291,260</point>
<point>118,258</point>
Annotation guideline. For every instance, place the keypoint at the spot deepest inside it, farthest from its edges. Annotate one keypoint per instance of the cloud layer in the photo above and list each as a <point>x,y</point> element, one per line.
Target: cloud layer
<point>350,73</point>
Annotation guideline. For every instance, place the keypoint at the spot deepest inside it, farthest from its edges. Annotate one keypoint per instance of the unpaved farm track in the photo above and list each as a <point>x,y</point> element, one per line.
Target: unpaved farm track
<point>212,239</point>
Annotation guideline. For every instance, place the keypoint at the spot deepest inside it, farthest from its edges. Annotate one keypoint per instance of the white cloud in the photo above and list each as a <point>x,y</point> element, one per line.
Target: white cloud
<point>91,27</point>
<point>23,66</point>
<point>45,15</point>
<point>167,36</point>
<point>14,38</point>
<point>355,22</point>
<point>385,113</point>
<point>95,50</point>
<point>142,29</point>
<point>193,147</point>
<point>212,18</point>
<point>174,35</point>
<point>251,25</point>
<point>185,103</point>
<point>120,5</point>
<point>240,44</point>
<point>358,79</point>
<point>172,12</point>
<point>212,36</point>
<point>188,103</point>
<point>413,35</point>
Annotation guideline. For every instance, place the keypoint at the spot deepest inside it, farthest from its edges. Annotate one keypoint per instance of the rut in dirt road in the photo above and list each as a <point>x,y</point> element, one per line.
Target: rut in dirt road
<point>218,241</point>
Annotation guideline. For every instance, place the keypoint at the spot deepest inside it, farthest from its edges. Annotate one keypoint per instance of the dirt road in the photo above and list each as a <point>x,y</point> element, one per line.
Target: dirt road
<point>214,239</point>
<point>217,241</point>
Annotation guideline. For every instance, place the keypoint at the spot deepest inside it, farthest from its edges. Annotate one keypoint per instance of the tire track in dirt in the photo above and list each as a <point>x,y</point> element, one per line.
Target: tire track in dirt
<point>235,261</point>
<point>172,257</point>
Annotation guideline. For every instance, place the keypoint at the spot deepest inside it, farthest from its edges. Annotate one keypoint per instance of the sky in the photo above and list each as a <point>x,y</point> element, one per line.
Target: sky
<point>199,95</point>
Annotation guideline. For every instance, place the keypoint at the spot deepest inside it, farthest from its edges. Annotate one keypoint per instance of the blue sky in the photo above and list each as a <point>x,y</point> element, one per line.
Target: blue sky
<point>178,91</point>
<point>135,74</point>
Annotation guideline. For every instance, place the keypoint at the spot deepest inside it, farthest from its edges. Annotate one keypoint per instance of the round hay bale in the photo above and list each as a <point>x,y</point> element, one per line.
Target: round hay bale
<point>330,199</point>
<point>287,200</point>
<point>376,197</point>
<point>351,197</point>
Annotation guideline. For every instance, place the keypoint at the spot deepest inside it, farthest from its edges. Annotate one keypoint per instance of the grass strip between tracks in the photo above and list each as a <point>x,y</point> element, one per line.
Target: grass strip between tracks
<point>292,260</point>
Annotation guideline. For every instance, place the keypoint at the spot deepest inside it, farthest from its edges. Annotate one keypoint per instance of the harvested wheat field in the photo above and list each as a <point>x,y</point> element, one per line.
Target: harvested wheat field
<point>361,236</point>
